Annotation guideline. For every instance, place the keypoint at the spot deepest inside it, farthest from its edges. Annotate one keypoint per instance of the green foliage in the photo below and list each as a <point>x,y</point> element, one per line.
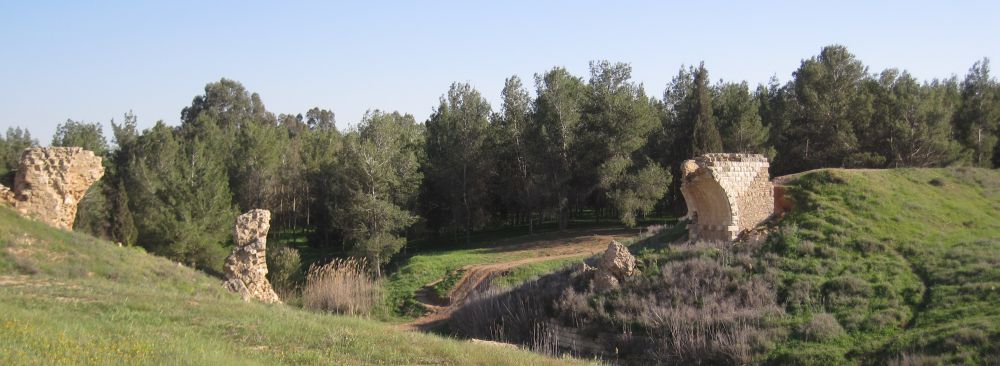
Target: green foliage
<point>11,147</point>
<point>705,137</point>
<point>911,125</point>
<point>457,162</point>
<point>81,134</point>
<point>381,179</point>
<point>284,270</point>
<point>832,107</point>
<point>618,120</point>
<point>738,114</point>
<point>978,118</point>
<point>181,200</point>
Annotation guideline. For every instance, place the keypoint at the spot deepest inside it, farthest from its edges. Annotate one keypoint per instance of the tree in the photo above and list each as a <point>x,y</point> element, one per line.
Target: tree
<point>514,183</point>
<point>320,119</point>
<point>777,106</point>
<point>738,114</point>
<point>81,134</point>
<point>249,139</point>
<point>831,107</point>
<point>912,122</point>
<point>555,145</point>
<point>92,210</point>
<point>381,177</point>
<point>705,136</point>
<point>978,118</point>
<point>181,199</point>
<point>457,167</point>
<point>120,219</point>
<point>11,148</point>
<point>618,119</point>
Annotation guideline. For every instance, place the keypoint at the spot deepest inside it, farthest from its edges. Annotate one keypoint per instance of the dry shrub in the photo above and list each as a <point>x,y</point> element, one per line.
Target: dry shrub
<point>704,306</point>
<point>342,286</point>
<point>822,327</point>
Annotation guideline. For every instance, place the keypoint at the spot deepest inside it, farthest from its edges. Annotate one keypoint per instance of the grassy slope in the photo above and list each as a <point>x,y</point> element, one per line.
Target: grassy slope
<point>907,260</point>
<point>67,298</point>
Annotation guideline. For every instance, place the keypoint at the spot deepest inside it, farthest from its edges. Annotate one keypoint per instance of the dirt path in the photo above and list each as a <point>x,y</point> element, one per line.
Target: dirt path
<point>478,276</point>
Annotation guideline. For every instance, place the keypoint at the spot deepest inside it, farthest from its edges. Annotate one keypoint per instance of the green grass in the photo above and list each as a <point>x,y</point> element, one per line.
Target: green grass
<point>67,298</point>
<point>527,272</point>
<point>907,260</point>
<point>423,268</point>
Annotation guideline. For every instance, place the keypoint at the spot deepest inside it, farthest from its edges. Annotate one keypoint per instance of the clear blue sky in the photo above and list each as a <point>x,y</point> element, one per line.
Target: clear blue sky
<point>94,62</point>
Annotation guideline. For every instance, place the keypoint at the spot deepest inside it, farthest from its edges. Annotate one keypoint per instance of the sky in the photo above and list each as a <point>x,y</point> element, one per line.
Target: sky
<point>94,61</point>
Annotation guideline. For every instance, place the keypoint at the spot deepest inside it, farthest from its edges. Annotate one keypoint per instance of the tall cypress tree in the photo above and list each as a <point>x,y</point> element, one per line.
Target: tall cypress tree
<point>705,136</point>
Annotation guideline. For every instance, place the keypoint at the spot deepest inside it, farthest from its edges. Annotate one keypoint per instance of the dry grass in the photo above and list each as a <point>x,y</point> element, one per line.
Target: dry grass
<point>342,286</point>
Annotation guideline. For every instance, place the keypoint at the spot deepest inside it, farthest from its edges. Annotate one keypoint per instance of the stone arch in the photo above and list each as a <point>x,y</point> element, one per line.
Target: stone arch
<point>726,194</point>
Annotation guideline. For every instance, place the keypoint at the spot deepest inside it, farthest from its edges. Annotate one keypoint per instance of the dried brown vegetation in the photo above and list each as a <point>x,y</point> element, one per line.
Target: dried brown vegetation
<point>693,303</point>
<point>342,286</point>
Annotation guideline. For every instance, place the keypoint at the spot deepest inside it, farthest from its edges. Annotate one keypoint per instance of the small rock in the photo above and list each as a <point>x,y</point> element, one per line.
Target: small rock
<point>615,265</point>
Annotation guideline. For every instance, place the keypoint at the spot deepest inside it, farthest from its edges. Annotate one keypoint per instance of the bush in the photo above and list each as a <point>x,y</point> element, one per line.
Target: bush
<point>821,327</point>
<point>342,286</point>
<point>284,270</point>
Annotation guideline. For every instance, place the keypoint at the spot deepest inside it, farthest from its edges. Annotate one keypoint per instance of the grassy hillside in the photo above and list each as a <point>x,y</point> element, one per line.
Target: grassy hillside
<point>67,298</point>
<point>871,267</point>
<point>907,261</point>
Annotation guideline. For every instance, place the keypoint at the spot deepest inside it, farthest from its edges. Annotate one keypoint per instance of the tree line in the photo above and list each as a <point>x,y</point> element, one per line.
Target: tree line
<point>597,146</point>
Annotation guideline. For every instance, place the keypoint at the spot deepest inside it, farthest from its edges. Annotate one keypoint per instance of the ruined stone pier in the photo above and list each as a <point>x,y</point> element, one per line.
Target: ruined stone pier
<point>726,194</point>
<point>246,267</point>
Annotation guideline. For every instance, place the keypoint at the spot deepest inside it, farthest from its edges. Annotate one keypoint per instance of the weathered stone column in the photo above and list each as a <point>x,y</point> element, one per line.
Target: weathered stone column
<point>726,194</point>
<point>246,267</point>
<point>50,182</point>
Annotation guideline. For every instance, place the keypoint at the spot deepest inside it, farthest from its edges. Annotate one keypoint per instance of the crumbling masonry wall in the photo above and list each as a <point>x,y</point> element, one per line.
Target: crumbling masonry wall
<point>726,194</point>
<point>50,182</point>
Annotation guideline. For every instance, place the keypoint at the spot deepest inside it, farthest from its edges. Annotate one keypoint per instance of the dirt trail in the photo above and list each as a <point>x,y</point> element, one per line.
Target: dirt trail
<point>478,276</point>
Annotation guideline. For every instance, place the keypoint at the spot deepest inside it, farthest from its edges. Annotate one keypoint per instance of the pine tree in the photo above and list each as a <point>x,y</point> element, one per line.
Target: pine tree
<point>738,114</point>
<point>831,107</point>
<point>618,119</point>
<point>457,167</point>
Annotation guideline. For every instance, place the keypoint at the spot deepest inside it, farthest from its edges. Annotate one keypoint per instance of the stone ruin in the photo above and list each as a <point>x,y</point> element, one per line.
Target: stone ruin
<point>614,266</point>
<point>50,182</point>
<point>726,194</point>
<point>246,267</point>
